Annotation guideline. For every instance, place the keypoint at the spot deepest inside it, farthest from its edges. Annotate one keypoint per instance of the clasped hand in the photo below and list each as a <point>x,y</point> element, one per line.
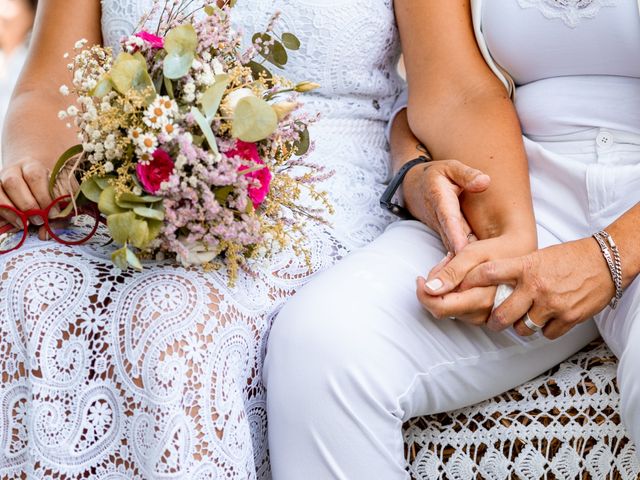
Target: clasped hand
<point>559,286</point>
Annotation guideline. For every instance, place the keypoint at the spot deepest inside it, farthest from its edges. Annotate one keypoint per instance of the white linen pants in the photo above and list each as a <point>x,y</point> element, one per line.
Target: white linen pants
<point>353,355</point>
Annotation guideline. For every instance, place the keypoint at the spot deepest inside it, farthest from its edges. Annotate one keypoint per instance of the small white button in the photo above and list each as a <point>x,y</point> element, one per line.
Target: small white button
<point>604,139</point>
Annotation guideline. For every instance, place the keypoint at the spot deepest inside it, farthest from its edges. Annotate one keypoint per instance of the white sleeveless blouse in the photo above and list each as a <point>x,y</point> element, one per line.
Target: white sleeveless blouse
<point>575,63</point>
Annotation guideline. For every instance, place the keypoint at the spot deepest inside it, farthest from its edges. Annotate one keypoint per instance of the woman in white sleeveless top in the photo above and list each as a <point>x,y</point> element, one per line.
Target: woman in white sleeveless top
<point>121,375</point>
<point>372,345</point>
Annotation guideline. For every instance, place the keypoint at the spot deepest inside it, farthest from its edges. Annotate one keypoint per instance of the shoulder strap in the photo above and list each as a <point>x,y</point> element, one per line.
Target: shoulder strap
<point>476,15</point>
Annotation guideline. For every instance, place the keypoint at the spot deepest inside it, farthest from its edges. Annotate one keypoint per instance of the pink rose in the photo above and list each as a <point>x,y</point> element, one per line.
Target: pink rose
<point>249,151</point>
<point>151,39</point>
<point>156,171</point>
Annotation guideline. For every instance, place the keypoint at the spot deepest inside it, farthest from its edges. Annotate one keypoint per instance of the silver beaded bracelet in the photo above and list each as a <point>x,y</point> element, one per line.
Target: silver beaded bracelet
<point>612,257</point>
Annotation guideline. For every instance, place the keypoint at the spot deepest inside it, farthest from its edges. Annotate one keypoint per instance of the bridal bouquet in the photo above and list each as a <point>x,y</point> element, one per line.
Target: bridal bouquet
<point>191,147</point>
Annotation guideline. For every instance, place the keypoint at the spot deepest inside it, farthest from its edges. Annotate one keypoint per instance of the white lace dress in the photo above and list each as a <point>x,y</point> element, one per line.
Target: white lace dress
<point>119,375</point>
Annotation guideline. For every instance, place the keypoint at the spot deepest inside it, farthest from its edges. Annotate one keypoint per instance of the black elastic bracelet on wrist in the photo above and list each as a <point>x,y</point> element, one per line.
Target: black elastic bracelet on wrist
<point>387,197</point>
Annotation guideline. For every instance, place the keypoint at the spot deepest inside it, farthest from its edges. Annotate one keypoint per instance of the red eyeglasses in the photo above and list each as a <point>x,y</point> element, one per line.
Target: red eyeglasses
<point>74,228</point>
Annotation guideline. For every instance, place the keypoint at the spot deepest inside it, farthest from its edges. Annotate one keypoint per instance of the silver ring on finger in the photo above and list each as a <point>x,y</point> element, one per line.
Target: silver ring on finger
<point>530,324</point>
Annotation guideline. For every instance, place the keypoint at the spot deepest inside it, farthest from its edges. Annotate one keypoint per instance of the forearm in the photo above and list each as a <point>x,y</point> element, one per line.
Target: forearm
<point>33,130</point>
<point>626,232</point>
<point>481,130</point>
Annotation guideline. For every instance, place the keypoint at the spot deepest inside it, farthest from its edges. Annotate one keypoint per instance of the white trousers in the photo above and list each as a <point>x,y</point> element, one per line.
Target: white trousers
<point>353,355</point>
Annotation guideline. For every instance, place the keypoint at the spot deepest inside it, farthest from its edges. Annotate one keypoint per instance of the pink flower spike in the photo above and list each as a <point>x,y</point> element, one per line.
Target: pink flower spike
<point>249,151</point>
<point>154,173</point>
<point>151,39</point>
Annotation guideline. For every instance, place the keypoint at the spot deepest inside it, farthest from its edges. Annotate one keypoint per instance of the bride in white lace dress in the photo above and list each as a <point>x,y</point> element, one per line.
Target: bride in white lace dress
<point>120,375</point>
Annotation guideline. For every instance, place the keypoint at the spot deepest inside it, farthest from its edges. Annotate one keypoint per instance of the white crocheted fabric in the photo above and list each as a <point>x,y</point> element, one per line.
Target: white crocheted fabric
<point>562,425</point>
<point>571,12</point>
<point>122,375</point>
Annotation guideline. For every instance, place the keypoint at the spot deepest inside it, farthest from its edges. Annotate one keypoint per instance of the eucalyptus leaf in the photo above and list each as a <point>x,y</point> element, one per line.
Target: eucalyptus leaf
<point>133,260</point>
<point>130,72</point>
<point>206,129</point>
<point>91,190</point>
<point>180,43</point>
<point>107,202</point>
<point>290,41</point>
<point>222,194</point>
<point>304,143</point>
<point>119,258</point>
<point>60,164</point>
<point>130,197</point>
<point>120,226</point>
<point>102,182</point>
<point>149,213</point>
<point>139,233</point>
<point>279,54</point>
<point>254,120</point>
<point>168,85</point>
<point>212,97</point>
<point>104,86</point>
<point>155,226</point>
<point>260,71</point>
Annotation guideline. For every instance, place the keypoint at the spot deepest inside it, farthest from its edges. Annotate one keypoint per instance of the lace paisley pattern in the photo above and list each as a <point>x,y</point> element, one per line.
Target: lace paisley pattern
<point>122,375</point>
<point>571,12</point>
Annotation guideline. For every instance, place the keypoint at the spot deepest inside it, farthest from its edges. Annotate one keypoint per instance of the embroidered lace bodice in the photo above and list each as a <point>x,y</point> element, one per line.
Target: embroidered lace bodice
<point>122,375</point>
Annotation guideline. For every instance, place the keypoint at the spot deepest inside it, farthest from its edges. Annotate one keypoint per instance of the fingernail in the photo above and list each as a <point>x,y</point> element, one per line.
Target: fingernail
<point>47,237</point>
<point>434,285</point>
<point>37,221</point>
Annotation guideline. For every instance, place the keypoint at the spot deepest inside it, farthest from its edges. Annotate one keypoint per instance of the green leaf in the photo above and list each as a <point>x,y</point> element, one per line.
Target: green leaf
<point>149,213</point>
<point>104,86</point>
<point>119,258</point>
<point>107,202</point>
<point>222,194</point>
<point>213,96</point>
<point>260,72</point>
<point>254,120</point>
<point>62,161</point>
<point>279,54</point>
<point>155,226</point>
<point>120,226</point>
<point>290,41</point>
<point>304,143</point>
<point>168,85</point>
<point>133,260</point>
<point>130,72</point>
<point>102,182</point>
<point>139,233</point>
<point>180,44</point>
<point>133,198</point>
<point>91,190</point>
<point>206,129</point>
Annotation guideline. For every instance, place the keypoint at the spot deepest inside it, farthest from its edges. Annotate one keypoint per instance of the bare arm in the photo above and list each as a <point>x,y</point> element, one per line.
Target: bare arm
<point>460,110</point>
<point>33,136</point>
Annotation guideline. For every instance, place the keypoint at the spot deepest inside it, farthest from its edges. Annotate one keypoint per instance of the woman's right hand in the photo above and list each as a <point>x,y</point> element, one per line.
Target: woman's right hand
<point>25,186</point>
<point>431,193</point>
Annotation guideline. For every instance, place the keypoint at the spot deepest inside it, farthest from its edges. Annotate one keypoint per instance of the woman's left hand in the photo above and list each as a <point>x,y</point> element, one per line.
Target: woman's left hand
<point>559,286</point>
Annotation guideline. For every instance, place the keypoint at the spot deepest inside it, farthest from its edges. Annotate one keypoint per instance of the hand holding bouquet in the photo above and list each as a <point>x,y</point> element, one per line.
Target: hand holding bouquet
<point>191,147</point>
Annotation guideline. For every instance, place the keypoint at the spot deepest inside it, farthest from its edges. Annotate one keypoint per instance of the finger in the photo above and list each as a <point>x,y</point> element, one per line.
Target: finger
<point>453,224</point>
<point>470,304</point>
<point>7,214</point>
<point>442,263</point>
<point>511,310</point>
<point>43,234</point>
<point>37,178</point>
<point>536,316</point>
<point>555,329</point>
<point>19,193</point>
<point>466,177</point>
<point>507,271</point>
<point>452,275</point>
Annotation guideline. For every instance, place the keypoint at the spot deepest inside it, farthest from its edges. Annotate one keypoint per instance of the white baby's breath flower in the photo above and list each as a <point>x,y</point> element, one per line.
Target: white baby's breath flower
<point>218,67</point>
<point>108,167</point>
<point>62,114</point>
<point>80,43</point>
<point>196,64</point>
<point>137,190</point>
<point>88,147</point>
<point>95,135</point>
<point>64,90</point>
<point>181,161</point>
<point>66,55</point>
<point>72,111</point>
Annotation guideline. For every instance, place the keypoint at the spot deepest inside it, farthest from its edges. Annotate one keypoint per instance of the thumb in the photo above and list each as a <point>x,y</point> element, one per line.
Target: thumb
<point>467,178</point>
